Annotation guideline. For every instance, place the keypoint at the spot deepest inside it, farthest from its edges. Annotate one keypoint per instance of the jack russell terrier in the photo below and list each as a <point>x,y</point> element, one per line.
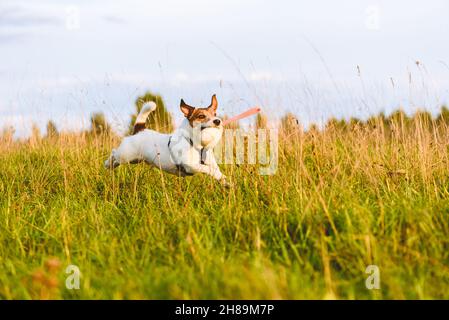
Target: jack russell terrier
<point>187,151</point>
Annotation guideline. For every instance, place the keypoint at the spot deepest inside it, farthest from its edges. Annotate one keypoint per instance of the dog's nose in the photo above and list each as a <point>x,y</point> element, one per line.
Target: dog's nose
<point>217,122</point>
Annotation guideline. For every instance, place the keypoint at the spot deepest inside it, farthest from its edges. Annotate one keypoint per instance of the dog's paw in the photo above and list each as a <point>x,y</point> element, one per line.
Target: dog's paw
<point>225,183</point>
<point>110,163</point>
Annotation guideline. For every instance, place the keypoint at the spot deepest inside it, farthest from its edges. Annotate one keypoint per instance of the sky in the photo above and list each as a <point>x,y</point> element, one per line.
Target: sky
<point>63,60</point>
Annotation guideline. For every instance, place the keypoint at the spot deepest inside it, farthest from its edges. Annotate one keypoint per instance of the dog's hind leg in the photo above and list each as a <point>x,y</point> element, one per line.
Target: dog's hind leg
<point>111,162</point>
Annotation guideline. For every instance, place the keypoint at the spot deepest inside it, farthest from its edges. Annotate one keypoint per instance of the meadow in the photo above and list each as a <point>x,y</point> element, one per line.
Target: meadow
<point>351,195</point>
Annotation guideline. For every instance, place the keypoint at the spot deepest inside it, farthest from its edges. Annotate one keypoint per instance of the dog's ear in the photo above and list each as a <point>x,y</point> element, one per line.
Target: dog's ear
<point>214,103</point>
<point>186,109</point>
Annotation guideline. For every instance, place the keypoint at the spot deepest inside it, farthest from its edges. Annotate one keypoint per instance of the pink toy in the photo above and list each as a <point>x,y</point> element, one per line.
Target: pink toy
<point>245,114</point>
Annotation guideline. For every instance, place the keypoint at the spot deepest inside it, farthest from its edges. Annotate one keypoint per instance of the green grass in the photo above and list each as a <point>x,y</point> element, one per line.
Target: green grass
<point>341,199</point>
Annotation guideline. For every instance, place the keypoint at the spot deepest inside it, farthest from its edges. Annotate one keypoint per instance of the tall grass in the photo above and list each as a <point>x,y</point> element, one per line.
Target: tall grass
<point>343,198</point>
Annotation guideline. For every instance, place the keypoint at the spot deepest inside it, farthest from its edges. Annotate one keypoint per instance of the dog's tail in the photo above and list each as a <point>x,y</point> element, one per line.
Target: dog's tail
<point>147,108</point>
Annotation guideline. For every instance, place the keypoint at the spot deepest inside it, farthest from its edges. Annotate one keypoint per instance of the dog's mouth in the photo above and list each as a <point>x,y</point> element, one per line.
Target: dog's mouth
<point>212,126</point>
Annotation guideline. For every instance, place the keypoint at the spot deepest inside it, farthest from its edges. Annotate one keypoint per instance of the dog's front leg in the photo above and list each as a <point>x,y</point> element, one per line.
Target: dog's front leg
<point>207,169</point>
<point>211,162</point>
<point>202,168</point>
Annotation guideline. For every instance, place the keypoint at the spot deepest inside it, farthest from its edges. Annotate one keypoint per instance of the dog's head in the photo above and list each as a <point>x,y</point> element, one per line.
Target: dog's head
<point>206,120</point>
<point>204,117</point>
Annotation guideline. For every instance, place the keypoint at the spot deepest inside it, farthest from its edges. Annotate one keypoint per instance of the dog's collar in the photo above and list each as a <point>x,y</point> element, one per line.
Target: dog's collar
<point>190,141</point>
<point>181,167</point>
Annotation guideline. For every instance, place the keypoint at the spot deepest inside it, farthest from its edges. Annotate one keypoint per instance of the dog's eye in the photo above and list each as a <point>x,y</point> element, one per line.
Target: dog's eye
<point>201,116</point>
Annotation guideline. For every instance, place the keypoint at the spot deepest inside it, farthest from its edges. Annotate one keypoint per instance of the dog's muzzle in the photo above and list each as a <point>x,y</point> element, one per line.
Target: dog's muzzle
<point>216,123</point>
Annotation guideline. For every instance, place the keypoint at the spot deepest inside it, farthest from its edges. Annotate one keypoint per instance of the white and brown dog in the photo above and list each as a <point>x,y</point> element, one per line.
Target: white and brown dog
<point>187,151</point>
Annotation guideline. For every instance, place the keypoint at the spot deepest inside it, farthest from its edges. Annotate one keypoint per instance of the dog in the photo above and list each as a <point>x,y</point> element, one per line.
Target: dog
<point>187,151</point>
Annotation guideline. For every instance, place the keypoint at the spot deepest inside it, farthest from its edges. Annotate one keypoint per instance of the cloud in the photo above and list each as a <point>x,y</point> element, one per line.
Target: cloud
<point>182,78</point>
<point>18,23</point>
<point>9,37</point>
<point>72,81</point>
<point>114,19</point>
<point>18,16</point>
<point>261,76</point>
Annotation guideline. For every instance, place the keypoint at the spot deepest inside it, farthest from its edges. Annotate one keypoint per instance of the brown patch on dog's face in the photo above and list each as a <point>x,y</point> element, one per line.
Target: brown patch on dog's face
<point>201,116</point>
<point>205,117</point>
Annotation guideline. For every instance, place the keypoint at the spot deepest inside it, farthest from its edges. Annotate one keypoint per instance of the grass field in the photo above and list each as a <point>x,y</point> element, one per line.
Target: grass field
<point>342,199</point>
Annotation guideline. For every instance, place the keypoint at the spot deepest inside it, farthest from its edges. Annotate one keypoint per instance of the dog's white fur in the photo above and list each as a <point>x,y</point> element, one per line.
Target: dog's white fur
<point>176,157</point>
